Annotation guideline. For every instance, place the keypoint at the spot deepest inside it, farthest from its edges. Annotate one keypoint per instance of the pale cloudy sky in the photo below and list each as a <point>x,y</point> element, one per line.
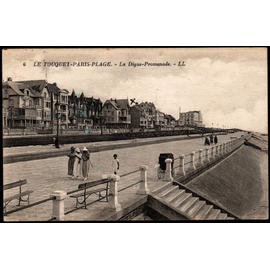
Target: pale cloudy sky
<point>229,85</point>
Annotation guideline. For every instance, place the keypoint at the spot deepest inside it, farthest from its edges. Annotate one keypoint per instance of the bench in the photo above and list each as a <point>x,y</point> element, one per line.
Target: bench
<point>81,197</point>
<point>19,196</point>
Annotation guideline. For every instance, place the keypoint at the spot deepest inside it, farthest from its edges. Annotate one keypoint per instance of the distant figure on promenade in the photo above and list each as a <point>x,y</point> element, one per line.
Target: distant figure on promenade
<point>77,162</point>
<point>85,163</point>
<point>115,164</point>
<point>215,139</point>
<point>71,161</point>
<point>211,139</point>
<point>206,142</point>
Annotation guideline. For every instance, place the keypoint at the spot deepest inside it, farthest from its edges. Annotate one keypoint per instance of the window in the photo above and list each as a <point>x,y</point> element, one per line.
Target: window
<point>45,95</point>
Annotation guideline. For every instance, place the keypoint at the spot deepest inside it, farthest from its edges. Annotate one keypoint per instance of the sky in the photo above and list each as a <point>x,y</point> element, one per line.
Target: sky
<point>228,85</point>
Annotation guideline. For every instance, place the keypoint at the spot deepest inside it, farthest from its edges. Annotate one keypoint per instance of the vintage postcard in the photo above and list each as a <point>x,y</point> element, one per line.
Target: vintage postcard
<point>135,134</point>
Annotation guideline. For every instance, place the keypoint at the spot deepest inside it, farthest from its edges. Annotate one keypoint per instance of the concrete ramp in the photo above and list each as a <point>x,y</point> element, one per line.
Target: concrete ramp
<point>259,142</point>
<point>239,183</point>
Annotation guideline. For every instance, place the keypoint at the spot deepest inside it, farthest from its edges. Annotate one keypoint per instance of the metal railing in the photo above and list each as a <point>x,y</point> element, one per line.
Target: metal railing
<point>53,198</point>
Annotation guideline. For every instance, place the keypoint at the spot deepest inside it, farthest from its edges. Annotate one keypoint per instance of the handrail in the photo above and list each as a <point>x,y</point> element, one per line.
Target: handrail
<point>28,206</point>
<point>126,174</point>
<point>134,184</point>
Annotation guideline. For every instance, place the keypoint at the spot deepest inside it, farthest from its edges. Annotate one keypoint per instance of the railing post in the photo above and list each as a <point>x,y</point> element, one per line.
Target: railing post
<point>113,199</point>
<point>224,148</point>
<point>217,150</point>
<point>58,207</point>
<point>213,152</point>
<point>207,155</point>
<point>182,165</point>
<point>143,189</point>
<point>168,172</point>
<point>192,156</point>
<point>221,149</point>
<point>200,157</point>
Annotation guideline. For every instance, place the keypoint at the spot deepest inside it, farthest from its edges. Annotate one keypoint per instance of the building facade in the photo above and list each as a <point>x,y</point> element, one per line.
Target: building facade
<point>116,113</point>
<point>190,118</point>
<point>139,117</point>
<point>31,104</point>
<point>84,111</point>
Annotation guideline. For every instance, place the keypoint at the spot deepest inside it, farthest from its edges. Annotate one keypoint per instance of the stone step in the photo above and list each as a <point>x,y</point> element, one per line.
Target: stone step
<point>230,218</point>
<point>213,214</point>
<point>196,208</point>
<point>188,204</point>
<point>161,188</point>
<point>203,212</point>
<point>222,216</point>
<point>182,199</point>
<point>168,191</point>
<point>175,196</point>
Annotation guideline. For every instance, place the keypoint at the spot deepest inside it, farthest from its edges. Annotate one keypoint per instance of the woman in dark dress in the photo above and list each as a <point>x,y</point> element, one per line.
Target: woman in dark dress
<point>71,161</point>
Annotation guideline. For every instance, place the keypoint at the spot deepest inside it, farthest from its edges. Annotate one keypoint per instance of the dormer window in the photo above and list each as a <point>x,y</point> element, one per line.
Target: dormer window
<point>27,93</point>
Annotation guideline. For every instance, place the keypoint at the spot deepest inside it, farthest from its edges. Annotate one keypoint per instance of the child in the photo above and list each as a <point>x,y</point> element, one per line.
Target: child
<point>115,164</point>
<point>71,161</point>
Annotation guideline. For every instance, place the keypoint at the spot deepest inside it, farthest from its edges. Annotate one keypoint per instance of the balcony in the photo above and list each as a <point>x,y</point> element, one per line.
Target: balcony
<point>125,119</point>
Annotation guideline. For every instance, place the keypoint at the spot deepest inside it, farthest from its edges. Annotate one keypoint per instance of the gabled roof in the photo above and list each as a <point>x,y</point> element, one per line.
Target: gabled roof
<point>112,102</point>
<point>14,87</point>
<point>36,85</point>
<point>122,103</point>
<point>53,88</point>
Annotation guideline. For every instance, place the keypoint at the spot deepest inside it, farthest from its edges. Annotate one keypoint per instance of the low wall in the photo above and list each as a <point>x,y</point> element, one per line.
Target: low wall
<point>67,139</point>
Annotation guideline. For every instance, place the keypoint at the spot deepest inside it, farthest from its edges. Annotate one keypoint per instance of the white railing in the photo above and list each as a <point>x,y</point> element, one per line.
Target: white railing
<point>201,158</point>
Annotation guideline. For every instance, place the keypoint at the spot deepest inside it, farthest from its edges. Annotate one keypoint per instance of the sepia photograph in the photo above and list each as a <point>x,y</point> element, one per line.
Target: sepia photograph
<point>135,134</point>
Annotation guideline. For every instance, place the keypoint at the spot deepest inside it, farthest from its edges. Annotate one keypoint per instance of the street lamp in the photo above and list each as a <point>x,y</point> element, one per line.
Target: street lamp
<point>57,105</point>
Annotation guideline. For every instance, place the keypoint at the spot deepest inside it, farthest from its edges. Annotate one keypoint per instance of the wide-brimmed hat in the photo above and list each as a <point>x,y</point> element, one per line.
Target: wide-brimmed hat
<point>85,149</point>
<point>77,150</point>
<point>72,148</point>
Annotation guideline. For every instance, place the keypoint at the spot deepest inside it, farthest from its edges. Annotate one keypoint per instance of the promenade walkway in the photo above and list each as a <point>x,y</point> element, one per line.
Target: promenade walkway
<point>47,175</point>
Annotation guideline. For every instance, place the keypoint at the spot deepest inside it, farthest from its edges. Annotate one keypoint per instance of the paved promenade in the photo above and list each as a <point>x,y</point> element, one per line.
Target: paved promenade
<point>42,149</point>
<point>47,175</point>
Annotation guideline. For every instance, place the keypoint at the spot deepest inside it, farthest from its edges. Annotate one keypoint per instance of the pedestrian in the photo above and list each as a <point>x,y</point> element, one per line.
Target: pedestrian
<point>71,161</point>
<point>215,139</point>
<point>85,163</point>
<point>206,142</point>
<point>211,139</point>
<point>115,164</point>
<point>77,162</point>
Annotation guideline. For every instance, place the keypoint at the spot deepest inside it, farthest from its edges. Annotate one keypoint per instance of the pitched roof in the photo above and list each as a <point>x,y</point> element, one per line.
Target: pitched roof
<point>14,86</point>
<point>36,85</point>
<point>122,103</point>
<point>53,88</point>
<point>111,102</point>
